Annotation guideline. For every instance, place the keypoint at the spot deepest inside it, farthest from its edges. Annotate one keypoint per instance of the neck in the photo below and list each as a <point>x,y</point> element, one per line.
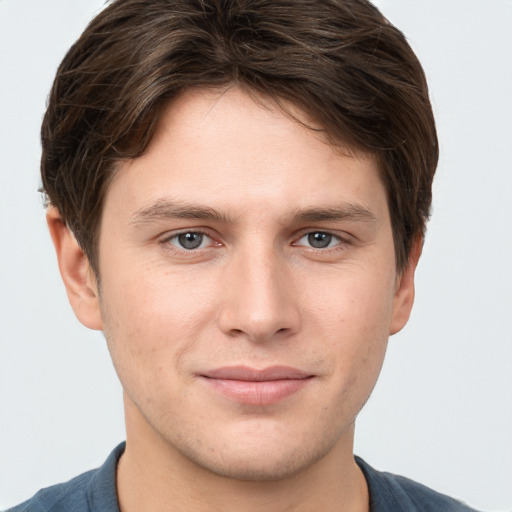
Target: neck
<point>153,476</point>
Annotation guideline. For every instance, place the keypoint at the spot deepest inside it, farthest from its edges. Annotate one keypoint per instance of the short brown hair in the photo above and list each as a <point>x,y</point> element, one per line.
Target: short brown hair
<point>340,61</point>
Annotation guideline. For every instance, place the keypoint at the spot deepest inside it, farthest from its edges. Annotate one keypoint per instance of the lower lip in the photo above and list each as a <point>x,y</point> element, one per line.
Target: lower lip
<point>266,392</point>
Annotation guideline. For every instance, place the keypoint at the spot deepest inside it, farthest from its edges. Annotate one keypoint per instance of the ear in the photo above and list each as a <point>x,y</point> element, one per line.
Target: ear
<point>404,292</point>
<point>76,272</point>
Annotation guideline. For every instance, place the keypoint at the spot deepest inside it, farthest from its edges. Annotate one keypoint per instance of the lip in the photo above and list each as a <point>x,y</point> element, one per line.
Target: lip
<point>252,386</point>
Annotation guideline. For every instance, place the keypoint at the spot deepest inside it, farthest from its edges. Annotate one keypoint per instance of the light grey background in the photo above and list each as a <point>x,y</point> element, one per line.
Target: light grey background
<point>442,411</point>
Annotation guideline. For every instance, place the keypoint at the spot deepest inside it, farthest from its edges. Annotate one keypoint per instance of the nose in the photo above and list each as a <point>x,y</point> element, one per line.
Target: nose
<point>259,301</point>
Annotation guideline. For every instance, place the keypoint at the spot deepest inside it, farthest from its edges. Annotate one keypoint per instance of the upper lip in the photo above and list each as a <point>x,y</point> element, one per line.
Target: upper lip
<point>248,374</point>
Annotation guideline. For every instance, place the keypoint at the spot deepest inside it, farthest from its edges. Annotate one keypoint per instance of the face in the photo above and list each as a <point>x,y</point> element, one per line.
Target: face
<point>248,287</point>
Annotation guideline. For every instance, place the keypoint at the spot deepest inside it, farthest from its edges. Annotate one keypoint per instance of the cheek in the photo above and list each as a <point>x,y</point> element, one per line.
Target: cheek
<point>356,319</point>
<point>151,319</point>
<point>156,300</point>
<point>354,304</point>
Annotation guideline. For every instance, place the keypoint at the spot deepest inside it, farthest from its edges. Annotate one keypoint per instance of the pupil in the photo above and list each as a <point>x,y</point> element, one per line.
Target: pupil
<point>190,240</point>
<point>319,240</point>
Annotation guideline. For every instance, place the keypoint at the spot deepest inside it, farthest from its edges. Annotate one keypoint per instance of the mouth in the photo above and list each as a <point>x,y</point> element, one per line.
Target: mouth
<point>251,386</point>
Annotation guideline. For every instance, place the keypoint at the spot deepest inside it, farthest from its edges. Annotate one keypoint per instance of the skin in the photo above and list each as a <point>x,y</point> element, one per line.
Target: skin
<point>255,292</point>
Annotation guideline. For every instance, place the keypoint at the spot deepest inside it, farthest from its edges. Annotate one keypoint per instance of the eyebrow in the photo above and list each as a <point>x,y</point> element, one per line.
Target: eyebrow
<point>346,212</point>
<point>164,209</point>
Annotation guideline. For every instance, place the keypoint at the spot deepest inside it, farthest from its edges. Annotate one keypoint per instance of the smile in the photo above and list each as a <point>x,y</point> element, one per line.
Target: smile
<point>256,387</point>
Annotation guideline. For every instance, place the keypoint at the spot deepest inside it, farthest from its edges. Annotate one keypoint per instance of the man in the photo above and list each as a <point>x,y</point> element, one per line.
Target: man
<point>238,193</point>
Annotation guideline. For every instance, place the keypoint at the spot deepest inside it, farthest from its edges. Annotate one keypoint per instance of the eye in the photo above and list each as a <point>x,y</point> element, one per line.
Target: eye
<point>190,240</point>
<point>319,240</point>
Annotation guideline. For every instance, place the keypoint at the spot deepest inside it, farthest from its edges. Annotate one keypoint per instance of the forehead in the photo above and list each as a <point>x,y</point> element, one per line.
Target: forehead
<point>230,150</point>
<point>199,110</point>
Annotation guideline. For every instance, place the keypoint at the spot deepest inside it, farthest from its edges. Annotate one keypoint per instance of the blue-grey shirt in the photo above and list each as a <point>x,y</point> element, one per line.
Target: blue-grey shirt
<point>95,491</point>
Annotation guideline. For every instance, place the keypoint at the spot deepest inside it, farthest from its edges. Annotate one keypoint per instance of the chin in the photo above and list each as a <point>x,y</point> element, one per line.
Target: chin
<point>248,468</point>
<point>264,459</point>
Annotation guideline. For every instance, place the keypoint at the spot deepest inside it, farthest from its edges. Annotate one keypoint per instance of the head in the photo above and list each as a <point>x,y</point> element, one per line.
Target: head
<point>340,62</point>
<point>249,183</point>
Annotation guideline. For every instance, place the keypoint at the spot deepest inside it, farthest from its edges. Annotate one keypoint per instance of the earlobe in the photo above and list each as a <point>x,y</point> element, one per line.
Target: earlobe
<point>76,272</point>
<point>404,293</point>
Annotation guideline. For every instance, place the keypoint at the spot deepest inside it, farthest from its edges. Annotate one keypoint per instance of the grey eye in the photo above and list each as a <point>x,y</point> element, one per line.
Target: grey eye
<point>319,240</point>
<point>189,240</point>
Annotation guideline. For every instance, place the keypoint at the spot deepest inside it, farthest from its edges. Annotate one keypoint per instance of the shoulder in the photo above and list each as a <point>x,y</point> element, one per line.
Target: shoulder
<point>70,496</point>
<point>393,493</point>
<point>93,490</point>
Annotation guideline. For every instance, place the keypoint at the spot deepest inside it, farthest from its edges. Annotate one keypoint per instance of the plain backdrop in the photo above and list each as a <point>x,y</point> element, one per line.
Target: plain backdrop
<point>442,410</point>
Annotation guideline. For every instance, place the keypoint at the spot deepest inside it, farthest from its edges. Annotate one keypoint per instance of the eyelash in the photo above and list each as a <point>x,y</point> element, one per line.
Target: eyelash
<point>168,241</point>
<point>333,237</point>
<point>340,241</point>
